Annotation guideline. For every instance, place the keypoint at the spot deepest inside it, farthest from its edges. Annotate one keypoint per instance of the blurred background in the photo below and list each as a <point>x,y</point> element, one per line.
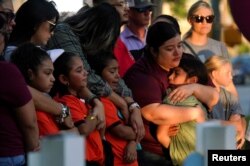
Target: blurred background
<point>224,29</point>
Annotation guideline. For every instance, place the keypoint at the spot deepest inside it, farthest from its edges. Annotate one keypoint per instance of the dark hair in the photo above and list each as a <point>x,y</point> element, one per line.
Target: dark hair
<point>28,56</point>
<point>169,19</point>
<point>29,16</point>
<point>159,33</point>
<point>62,65</point>
<point>194,67</point>
<point>99,61</point>
<point>98,28</point>
<point>98,2</point>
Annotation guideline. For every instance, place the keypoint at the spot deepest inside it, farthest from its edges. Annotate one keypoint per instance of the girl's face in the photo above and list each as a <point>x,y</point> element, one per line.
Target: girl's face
<point>43,33</point>
<point>204,27</point>
<point>169,54</point>
<point>223,76</point>
<point>178,77</point>
<point>110,73</point>
<point>43,79</point>
<point>77,78</point>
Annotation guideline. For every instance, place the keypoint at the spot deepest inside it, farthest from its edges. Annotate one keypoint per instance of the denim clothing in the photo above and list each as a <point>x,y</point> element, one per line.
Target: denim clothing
<point>12,161</point>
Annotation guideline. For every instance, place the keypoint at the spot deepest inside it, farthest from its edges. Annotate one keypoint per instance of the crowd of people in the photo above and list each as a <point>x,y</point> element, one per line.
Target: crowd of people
<point>136,95</point>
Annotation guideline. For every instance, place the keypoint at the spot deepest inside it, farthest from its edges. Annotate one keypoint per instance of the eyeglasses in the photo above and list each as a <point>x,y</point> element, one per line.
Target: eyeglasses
<point>8,15</point>
<point>200,19</point>
<point>52,26</point>
<point>144,9</point>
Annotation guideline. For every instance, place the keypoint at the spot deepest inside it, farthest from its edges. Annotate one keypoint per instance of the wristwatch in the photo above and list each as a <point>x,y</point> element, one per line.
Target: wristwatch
<point>65,111</point>
<point>132,106</point>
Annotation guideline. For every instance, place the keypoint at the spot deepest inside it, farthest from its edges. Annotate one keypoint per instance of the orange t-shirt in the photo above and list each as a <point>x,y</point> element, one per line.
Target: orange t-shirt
<point>46,124</point>
<point>78,110</point>
<point>118,144</point>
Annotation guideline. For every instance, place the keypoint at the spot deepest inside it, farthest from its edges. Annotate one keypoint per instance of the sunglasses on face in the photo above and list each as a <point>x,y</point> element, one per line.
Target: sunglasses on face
<point>8,15</point>
<point>200,19</point>
<point>142,10</point>
<point>52,26</point>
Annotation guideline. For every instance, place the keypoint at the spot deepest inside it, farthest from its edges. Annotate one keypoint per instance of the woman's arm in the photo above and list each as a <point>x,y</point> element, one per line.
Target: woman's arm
<point>204,94</point>
<point>27,122</point>
<point>163,114</point>
<point>121,104</point>
<point>49,105</point>
<point>45,103</point>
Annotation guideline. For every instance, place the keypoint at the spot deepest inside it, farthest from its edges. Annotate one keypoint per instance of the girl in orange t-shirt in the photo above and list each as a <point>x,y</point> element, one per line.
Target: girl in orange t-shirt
<point>37,68</point>
<point>70,79</point>
<point>120,135</point>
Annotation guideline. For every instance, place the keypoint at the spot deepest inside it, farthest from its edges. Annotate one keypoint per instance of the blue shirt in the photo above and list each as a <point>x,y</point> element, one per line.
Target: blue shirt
<point>131,40</point>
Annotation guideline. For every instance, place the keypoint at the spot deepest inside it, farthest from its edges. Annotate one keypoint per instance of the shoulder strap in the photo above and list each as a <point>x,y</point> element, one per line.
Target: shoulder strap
<point>191,49</point>
<point>227,104</point>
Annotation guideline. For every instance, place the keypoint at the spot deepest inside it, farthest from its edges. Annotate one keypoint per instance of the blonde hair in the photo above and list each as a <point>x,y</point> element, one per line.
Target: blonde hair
<point>215,62</point>
<point>197,5</point>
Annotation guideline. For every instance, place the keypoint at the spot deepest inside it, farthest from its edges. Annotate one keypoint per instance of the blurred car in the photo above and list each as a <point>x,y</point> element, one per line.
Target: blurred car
<point>241,68</point>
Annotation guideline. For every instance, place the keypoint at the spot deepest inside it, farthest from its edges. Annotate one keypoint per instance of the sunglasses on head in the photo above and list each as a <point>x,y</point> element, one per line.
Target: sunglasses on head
<point>200,19</point>
<point>52,25</point>
<point>144,9</point>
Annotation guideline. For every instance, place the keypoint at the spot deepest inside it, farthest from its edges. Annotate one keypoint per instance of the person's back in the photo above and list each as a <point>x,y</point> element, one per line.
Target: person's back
<point>86,40</point>
<point>12,99</point>
<point>19,132</point>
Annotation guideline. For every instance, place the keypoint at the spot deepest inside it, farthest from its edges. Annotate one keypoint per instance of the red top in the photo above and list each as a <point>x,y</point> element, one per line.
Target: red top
<point>118,144</point>
<point>123,56</point>
<point>143,75</point>
<point>79,110</point>
<point>46,124</point>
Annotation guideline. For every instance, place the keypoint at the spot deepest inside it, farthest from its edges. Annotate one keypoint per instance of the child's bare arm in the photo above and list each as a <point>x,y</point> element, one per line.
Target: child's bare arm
<point>162,135</point>
<point>130,153</point>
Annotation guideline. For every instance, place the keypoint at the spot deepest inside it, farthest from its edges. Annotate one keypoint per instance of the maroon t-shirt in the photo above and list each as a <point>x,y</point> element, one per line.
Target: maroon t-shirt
<point>148,82</point>
<point>13,94</point>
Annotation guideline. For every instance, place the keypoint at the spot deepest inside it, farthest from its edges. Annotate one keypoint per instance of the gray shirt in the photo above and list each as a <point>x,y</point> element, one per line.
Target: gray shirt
<point>227,105</point>
<point>213,47</point>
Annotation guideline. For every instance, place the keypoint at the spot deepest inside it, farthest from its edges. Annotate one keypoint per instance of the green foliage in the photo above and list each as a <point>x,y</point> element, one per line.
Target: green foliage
<point>178,7</point>
<point>243,48</point>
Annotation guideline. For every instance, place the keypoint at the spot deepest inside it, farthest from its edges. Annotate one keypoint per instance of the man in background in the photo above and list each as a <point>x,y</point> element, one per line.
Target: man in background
<point>134,34</point>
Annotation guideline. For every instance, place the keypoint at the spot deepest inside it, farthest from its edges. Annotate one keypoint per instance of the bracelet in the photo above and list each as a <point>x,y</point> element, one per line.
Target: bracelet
<point>64,114</point>
<point>90,100</point>
<point>91,117</point>
<point>132,106</point>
